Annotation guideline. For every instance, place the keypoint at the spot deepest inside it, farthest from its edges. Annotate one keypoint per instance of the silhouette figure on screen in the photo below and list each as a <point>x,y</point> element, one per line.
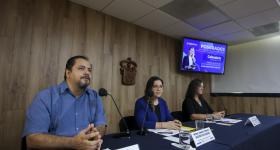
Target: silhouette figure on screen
<point>189,61</point>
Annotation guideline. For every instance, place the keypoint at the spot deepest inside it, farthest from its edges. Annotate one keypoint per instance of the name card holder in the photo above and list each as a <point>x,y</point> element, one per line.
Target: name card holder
<point>202,136</point>
<point>253,120</point>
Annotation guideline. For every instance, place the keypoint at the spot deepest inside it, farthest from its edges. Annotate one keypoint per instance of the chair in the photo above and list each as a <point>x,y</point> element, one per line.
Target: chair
<point>131,123</point>
<point>179,116</point>
<point>23,144</point>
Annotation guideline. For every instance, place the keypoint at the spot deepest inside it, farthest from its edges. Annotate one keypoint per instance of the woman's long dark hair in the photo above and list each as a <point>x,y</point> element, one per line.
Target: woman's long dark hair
<point>192,88</point>
<point>149,87</point>
<point>150,84</point>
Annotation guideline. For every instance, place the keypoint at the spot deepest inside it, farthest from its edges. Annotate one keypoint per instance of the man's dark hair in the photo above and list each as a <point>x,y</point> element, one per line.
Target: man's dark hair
<point>71,62</point>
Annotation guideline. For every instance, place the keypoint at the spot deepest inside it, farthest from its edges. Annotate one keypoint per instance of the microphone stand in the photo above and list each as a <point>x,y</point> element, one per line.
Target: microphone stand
<point>142,131</point>
<point>121,134</point>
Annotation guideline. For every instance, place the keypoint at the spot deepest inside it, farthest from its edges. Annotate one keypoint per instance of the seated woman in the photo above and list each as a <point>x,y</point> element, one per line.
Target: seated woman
<point>158,115</point>
<point>195,107</point>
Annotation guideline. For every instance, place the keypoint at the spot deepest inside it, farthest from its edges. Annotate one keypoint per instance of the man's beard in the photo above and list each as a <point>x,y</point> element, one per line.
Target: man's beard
<point>84,83</point>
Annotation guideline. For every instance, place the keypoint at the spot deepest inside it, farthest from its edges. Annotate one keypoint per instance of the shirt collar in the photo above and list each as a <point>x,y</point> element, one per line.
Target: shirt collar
<point>63,87</point>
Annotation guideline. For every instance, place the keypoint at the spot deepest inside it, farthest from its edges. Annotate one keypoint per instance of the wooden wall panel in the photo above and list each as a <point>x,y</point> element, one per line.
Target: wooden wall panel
<point>255,105</point>
<point>38,36</point>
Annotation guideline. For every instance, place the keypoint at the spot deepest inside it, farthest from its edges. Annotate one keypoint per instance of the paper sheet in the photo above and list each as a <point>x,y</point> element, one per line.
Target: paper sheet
<point>228,120</point>
<point>164,132</point>
<point>176,144</point>
<point>172,138</point>
<point>224,124</point>
<point>181,147</point>
<point>132,147</point>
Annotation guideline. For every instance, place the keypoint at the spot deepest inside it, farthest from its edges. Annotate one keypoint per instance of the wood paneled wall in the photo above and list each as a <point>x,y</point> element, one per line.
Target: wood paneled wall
<point>38,36</point>
<point>256,105</point>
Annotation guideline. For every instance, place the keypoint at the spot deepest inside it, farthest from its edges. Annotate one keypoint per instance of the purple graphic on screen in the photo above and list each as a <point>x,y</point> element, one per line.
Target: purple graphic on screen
<point>202,56</point>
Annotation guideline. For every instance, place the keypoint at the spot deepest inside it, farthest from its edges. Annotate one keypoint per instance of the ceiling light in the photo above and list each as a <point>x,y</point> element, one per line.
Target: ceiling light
<point>278,2</point>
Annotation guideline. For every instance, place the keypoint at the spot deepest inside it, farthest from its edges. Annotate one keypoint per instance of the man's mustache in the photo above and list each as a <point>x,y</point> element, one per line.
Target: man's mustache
<point>85,77</point>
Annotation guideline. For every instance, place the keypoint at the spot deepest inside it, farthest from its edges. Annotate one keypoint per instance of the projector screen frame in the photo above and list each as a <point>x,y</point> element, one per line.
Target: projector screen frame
<point>204,40</point>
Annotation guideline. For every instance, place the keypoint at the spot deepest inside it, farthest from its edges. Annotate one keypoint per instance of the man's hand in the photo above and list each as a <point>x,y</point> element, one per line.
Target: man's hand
<point>88,139</point>
<point>102,129</point>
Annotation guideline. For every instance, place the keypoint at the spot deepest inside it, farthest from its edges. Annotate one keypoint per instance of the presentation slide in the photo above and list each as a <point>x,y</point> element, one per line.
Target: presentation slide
<point>201,56</point>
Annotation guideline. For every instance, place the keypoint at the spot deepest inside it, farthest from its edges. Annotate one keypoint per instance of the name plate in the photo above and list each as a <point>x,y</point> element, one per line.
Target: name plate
<point>202,136</point>
<point>253,120</point>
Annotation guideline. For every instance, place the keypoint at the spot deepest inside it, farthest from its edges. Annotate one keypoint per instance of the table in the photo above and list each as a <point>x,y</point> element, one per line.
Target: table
<point>150,141</point>
<point>240,137</point>
<point>236,137</point>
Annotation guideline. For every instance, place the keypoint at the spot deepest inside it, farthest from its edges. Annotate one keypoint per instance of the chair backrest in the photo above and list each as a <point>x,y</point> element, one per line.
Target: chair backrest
<point>131,123</point>
<point>179,116</point>
<point>23,144</point>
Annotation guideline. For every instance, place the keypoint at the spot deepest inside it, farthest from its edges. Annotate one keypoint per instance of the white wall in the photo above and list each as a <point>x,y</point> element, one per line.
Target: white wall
<point>252,67</point>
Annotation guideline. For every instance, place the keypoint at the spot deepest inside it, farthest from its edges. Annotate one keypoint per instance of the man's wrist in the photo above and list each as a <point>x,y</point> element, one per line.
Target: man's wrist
<point>72,142</point>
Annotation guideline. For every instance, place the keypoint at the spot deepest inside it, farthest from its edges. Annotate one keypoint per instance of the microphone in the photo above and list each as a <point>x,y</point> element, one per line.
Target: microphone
<point>103,92</point>
<point>142,131</point>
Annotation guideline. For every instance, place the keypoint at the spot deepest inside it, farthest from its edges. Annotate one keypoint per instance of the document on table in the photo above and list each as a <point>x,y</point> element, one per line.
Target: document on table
<point>132,147</point>
<point>164,132</point>
<point>172,138</point>
<point>228,120</point>
<point>182,147</point>
<point>224,124</point>
<point>176,144</point>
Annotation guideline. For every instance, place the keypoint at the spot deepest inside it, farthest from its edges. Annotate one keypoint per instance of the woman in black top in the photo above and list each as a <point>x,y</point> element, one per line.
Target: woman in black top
<point>194,106</point>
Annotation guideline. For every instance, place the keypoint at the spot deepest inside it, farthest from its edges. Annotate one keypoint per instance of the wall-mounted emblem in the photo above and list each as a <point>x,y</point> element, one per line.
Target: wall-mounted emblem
<point>128,71</point>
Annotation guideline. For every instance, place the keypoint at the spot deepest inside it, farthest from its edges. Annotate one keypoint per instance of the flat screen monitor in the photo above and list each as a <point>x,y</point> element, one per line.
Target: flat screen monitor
<point>203,56</point>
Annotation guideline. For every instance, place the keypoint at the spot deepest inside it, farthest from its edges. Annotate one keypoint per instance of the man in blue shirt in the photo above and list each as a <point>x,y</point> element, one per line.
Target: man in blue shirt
<point>69,115</point>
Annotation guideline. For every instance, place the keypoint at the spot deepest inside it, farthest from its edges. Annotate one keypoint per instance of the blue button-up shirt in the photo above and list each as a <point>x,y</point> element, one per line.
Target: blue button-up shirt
<point>57,111</point>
